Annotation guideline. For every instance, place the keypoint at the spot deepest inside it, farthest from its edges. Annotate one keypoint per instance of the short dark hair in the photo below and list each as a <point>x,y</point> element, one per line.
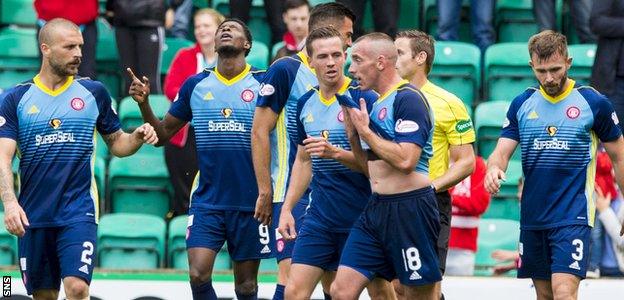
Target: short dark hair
<point>325,14</point>
<point>420,42</point>
<point>322,33</point>
<point>547,43</point>
<point>245,29</point>
<point>292,4</point>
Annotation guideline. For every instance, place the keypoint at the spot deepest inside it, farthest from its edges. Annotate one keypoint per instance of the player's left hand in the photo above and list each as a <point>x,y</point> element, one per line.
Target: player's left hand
<point>359,117</point>
<point>319,147</point>
<point>146,134</point>
<point>15,218</point>
<point>602,201</point>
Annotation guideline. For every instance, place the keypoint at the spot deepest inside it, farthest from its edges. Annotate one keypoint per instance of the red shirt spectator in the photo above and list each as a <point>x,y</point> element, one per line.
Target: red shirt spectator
<point>470,200</point>
<point>79,12</point>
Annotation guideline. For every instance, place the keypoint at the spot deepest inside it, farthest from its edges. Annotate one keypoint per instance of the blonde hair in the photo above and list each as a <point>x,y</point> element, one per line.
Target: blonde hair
<point>217,17</point>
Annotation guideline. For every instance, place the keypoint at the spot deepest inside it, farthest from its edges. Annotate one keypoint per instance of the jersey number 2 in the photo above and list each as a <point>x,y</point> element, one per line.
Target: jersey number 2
<point>87,252</point>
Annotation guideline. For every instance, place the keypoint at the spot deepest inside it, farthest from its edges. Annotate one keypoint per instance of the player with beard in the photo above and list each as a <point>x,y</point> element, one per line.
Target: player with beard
<point>558,127</point>
<point>52,119</point>
<point>220,102</point>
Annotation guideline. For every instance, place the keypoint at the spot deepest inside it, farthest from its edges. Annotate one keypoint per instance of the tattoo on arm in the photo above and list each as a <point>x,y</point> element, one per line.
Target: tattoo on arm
<point>111,138</point>
<point>6,184</point>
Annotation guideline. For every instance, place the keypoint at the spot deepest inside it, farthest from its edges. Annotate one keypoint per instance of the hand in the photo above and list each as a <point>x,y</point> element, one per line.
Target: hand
<point>602,201</point>
<point>287,225</point>
<point>139,90</point>
<point>505,255</point>
<point>500,270</point>
<point>319,147</point>
<point>169,18</point>
<point>146,134</point>
<point>493,179</point>
<point>15,218</point>
<point>359,117</point>
<point>264,208</point>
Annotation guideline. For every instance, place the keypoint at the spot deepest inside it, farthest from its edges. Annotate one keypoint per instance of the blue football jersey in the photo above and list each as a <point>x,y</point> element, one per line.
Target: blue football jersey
<point>403,115</point>
<point>221,112</point>
<point>339,194</point>
<point>285,82</point>
<point>558,138</point>
<point>55,135</point>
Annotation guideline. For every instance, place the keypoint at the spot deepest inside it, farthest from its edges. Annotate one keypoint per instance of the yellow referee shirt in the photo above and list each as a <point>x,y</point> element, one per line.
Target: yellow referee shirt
<point>453,126</point>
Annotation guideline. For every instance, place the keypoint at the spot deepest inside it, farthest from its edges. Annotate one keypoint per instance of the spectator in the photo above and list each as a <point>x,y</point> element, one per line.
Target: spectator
<point>139,30</point>
<point>470,200</point>
<point>544,11</point>
<point>240,9</point>
<point>481,15</point>
<point>82,13</point>
<point>611,216</point>
<point>180,151</point>
<point>385,15</point>
<point>607,21</point>
<point>178,17</point>
<point>296,15</point>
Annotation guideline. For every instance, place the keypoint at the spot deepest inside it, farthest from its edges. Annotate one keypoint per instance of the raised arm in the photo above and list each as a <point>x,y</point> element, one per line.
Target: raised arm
<point>15,219</point>
<point>264,121</point>
<point>165,129</point>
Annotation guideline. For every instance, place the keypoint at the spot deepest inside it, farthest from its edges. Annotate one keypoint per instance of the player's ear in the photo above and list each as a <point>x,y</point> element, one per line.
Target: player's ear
<point>247,45</point>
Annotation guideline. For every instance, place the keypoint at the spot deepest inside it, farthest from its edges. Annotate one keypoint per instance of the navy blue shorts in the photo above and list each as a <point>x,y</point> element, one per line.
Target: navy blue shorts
<point>47,255</point>
<point>396,237</point>
<point>283,248</point>
<point>247,239</point>
<point>318,247</point>
<point>557,250</point>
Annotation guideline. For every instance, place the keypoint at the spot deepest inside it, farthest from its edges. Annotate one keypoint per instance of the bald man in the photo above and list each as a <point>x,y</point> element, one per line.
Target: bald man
<point>52,119</point>
<point>398,135</point>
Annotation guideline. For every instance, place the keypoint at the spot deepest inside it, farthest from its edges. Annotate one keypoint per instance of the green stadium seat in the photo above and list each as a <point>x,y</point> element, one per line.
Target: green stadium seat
<point>200,3</point>
<point>223,261</point>
<point>8,246</point>
<point>456,67</point>
<point>505,204</point>
<point>268,265</point>
<point>507,71</point>
<point>259,55</point>
<point>140,184</point>
<point>176,243</point>
<point>430,11</point>
<point>582,61</point>
<point>130,114</point>
<point>488,120</point>
<point>170,49</point>
<point>18,12</point>
<point>107,57</point>
<point>258,24</point>
<point>494,234</point>
<point>19,59</point>
<point>515,21</point>
<point>276,48</point>
<point>131,241</point>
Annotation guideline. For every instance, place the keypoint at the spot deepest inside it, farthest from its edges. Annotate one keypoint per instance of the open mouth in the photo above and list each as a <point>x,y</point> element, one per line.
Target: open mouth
<point>226,36</point>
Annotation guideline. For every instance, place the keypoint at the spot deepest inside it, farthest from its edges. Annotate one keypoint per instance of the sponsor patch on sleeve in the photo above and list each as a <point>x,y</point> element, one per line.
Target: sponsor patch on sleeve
<point>406,126</point>
<point>266,89</point>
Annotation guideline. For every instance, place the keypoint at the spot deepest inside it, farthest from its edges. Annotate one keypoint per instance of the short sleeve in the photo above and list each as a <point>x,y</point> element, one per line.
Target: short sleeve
<point>8,116</point>
<point>108,121</point>
<point>605,119</point>
<point>301,133</point>
<point>459,128</point>
<point>412,119</point>
<point>181,106</point>
<point>277,84</point>
<point>510,124</point>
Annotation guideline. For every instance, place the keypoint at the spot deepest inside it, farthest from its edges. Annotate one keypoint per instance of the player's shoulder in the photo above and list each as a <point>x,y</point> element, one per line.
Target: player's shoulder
<point>408,93</point>
<point>286,64</point>
<point>355,91</point>
<point>257,73</point>
<point>16,92</point>
<point>591,95</point>
<point>435,93</point>
<point>517,102</point>
<point>315,91</point>
<point>94,86</point>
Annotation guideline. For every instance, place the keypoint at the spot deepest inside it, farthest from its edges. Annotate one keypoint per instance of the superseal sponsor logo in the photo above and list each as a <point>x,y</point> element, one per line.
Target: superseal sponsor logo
<point>550,144</point>
<point>226,126</point>
<point>54,138</point>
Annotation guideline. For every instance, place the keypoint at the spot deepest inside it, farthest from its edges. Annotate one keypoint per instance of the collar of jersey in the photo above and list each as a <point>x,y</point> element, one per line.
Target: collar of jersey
<point>49,91</point>
<point>342,90</point>
<point>560,97</point>
<point>235,78</point>
<point>391,90</point>
<point>304,60</point>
